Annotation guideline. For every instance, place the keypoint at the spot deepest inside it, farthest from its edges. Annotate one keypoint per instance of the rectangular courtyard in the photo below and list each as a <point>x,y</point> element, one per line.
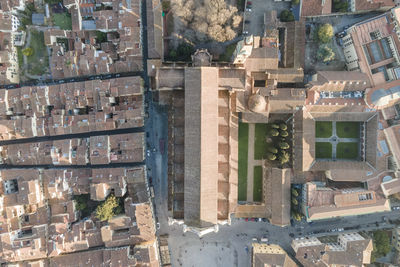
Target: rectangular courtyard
<point>337,140</point>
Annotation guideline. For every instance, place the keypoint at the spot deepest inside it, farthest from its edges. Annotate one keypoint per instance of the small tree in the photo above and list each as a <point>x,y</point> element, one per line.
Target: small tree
<point>272,149</point>
<point>286,16</point>
<point>27,51</point>
<point>325,33</point>
<point>275,126</point>
<point>325,53</point>
<point>284,145</point>
<point>166,5</point>
<point>284,133</point>
<point>284,157</point>
<point>273,132</point>
<point>106,211</point>
<point>283,126</point>
<point>294,201</point>
<point>297,216</point>
<point>295,2</point>
<point>340,6</point>
<point>271,156</point>
<point>295,193</point>
<point>381,244</point>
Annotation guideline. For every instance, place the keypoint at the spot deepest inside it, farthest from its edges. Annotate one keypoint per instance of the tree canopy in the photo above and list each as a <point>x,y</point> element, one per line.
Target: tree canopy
<point>381,245</point>
<point>204,20</point>
<point>325,53</point>
<point>286,16</point>
<point>340,6</point>
<point>107,209</point>
<point>27,51</point>
<point>325,33</point>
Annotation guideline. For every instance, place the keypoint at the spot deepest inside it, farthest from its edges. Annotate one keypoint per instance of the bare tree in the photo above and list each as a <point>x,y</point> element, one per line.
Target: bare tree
<point>209,19</point>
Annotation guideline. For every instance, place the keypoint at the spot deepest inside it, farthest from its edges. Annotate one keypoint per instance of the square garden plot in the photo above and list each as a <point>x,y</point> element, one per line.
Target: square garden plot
<point>323,150</point>
<point>348,129</point>
<point>347,150</point>
<point>323,129</point>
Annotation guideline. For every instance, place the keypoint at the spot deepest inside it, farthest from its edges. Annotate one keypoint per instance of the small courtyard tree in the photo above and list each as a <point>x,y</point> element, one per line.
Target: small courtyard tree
<point>272,149</point>
<point>284,157</point>
<point>325,33</point>
<point>273,132</point>
<point>283,126</point>
<point>286,16</point>
<point>295,193</point>
<point>107,210</point>
<point>271,156</point>
<point>284,133</point>
<point>27,51</point>
<point>284,145</point>
<point>325,53</point>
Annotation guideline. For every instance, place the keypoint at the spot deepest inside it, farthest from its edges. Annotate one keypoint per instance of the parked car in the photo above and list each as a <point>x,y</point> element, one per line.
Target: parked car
<point>253,219</point>
<point>246,219</point>
<point>246,21</point>
<point>248,9</point>
<point>249,3</point>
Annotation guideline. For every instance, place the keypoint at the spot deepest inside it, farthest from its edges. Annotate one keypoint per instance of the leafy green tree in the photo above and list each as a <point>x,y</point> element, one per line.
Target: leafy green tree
<point>286,16</point>
<point>273,132</point>
<point>166,5</point>
<point>275,126</point>
<point>271,156</point>
<point>27,51</point>
<point>283,126</point>
<point>101,37</point>
<point>284,157</point>
<point>297,216</point>
<point>184,52</point>
<point>272,149</point>
<point>340,6</point>
<point>284,133</point>
<point>325,53</point>
<point>107,210</point>
<point>295,193</point>
<point>294,201</point>
<point>283,145</point>
<point>325,33</point>
<point>295,2</point>
<point>381,243</point>
<point>172,55</point>
<point>80,205</point>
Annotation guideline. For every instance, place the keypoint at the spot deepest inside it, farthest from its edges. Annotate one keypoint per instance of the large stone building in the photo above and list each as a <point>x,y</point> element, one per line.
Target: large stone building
<point>206,103</point>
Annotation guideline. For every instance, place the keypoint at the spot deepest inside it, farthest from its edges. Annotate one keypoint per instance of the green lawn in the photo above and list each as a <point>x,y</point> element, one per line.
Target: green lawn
<point>260,143</point>
<point>62,20</point>
<point>323,129</point>
<point>38,63</point>
<point>347,150</point>
<point>20,58</point>
<point>242,161</point>
<point>323,150</point>
<point>348,129</point>
<point>258,184</point>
